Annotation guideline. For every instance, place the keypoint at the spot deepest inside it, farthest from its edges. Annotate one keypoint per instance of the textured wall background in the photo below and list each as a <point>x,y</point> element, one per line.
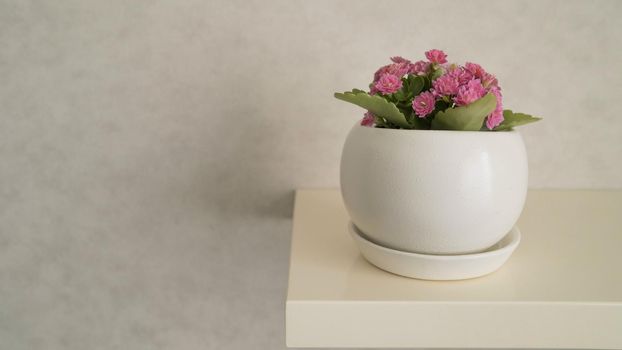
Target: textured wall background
<point>150,148</point>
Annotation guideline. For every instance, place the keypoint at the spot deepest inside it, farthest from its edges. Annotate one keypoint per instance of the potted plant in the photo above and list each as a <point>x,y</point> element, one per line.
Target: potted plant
<point>435,165</point>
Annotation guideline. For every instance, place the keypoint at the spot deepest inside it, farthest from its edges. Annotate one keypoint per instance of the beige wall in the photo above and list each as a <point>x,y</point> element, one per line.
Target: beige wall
<point>149,148</point>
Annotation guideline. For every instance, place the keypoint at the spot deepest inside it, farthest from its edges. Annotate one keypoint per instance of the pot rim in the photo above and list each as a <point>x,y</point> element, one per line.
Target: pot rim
<point>446,132</point>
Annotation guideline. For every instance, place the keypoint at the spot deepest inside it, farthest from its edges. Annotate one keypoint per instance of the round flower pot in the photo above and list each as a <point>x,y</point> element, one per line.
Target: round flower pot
<point>433,191</point>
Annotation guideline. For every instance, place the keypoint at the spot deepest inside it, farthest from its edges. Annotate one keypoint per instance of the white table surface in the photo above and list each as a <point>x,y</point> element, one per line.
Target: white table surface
<point>562,287</point>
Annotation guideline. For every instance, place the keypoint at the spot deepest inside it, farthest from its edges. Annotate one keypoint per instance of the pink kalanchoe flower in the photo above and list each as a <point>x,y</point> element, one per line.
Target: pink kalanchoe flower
<point>420,68</point>
<point>496,117</point>
<point>380,72</point>
<point>397,69</point>
<point>462,75</point>
<point>399,59</point>
<point>388,84</point>
<point>469,93</point>
<point>475,69</point>
<point>368,120</point>
<point>436,56</point>
<point>489,81</point>
<point>445,85</point>
<point>424,104</point>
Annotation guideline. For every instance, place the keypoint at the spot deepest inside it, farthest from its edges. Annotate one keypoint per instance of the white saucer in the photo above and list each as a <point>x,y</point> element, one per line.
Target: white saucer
<point>437,267</point>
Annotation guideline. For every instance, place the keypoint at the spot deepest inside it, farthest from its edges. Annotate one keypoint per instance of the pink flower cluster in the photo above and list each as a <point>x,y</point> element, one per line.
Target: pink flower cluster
<point>424,104</point>
<point>368,120</point>
<point>451,85</point>
<point>386,78</point>
<point>460,86</point>
<point>388,83</point>
<point>436,56</point>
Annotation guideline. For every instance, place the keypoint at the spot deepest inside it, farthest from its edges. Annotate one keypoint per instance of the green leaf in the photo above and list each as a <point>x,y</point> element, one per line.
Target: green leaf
<point>415,84</point>
<point>413,120</point>
<point>511,119</point>
<point>400,95</point>
<point>420,123</point>
<point>377,105</point>
<point>427,83</point>
<point>436,73</point>
<point>468,118</point>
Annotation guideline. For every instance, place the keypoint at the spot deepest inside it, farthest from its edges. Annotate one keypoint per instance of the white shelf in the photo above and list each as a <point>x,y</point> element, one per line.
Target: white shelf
<point>562,287</point>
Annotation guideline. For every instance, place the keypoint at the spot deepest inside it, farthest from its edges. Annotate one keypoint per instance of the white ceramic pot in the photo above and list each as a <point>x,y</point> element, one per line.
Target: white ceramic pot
<point>433,191</point>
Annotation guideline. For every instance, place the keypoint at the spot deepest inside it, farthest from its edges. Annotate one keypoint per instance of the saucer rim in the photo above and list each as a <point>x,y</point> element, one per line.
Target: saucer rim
<point>508,248</point>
